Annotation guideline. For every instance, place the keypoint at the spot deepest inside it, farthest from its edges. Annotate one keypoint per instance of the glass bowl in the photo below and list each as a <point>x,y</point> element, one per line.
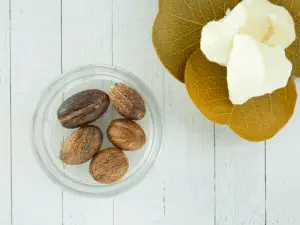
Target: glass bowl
<point>48,135</point>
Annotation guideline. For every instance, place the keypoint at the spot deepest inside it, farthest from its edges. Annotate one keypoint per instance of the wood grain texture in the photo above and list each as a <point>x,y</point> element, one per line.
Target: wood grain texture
<point>35,62</point>
<point>240,180</point>
<point>188,160</point>
<point>282,173</point>
<point>86,39</point>
<point>5,167</point>
<point>181,188</point>
<point>86,32</point>
<point>133,51</point>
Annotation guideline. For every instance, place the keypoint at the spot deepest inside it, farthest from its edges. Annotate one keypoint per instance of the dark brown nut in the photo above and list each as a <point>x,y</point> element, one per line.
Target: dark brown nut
<point>83,108</point>
<point>126,134</point>
<point>109,165</point>
<point>127,101</point>
<point>82,145</point>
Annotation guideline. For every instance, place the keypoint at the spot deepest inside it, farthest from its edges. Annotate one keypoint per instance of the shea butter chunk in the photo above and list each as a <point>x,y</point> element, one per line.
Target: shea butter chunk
<point>217,36</point>
<point>282,26</point>
<point>255,69</point>
<point>260,19</point>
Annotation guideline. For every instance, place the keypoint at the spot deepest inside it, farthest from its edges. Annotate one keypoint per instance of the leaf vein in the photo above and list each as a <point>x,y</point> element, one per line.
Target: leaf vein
<point>286,98</point>
<point>219,99</point>
<point>255,110</point>
<point>271,104</point>
<point>200,9</point>
<point>213,9</point>
<point>182,50</point>
<point>233,108</point>
<point>177,39</point>
<point>298,14</point>
<point>189,9</point>
<point>184,19</point>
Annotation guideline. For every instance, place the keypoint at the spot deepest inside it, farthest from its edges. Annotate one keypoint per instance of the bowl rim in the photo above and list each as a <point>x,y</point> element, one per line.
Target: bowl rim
<point>128,183</point>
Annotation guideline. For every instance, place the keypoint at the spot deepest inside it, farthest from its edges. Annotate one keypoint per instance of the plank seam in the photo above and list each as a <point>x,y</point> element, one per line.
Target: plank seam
<point>112,32</point>
<point>112,62</point>
<point>10,111</point>
<point>215,175</point>
<point>164,198</point>
<point>113,211</point>
<point>165,118</point>
<point>61,70</point>
<point>265,183</point>
<point>61,36</point>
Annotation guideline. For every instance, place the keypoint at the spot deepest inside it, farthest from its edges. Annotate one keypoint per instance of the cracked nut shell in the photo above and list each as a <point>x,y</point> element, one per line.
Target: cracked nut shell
<point>82,145</point>
<point>83,108</point>
<point>109,165</point>
<point>127,101</point>
<point>126,134</point>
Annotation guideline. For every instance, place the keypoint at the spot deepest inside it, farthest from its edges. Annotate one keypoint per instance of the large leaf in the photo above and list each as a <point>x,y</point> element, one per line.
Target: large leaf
<point>259,119</point>
<point>160,3</point>
<point>177,30</point>
<point>207,86</point>
<point>174,41</point>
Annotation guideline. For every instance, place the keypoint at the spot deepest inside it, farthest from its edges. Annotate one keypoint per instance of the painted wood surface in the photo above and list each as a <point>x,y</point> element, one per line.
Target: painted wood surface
<point>82,44</point>
<point>5,163</point>
<point>205,174</point>
<point>35,61</point>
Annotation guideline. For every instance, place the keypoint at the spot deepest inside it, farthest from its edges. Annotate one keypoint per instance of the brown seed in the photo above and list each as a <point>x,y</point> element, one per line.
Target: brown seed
<point>127,101</point>
<point>83,108</point>
<point>109,165</point>
<point>126,134</point>
<point>82,145</point>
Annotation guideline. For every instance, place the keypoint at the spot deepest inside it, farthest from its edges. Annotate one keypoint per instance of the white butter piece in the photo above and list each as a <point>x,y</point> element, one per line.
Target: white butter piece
<point>255,69</point>
<point>251,41</point>
<point>217,36</point>
<point>266,22</point>
<point>280,20</point>
<point>283,26</point>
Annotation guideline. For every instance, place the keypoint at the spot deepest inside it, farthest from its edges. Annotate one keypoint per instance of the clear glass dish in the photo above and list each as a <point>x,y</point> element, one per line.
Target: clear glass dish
<point>48,134</point>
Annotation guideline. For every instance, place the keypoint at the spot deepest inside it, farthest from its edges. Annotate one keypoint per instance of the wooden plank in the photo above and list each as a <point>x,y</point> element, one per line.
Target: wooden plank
<point>282,166</point>
<point>87,32</point>
<point>240,179</point>
<point>189,149</point>
<point>35,62</point>
<point>133,51</point>
<point>5,172</point>
<point>170,194</point>
<point>86,39</point>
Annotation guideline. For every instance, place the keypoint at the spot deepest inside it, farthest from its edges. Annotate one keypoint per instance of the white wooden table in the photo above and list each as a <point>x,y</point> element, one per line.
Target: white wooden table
<point>206,175</point>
